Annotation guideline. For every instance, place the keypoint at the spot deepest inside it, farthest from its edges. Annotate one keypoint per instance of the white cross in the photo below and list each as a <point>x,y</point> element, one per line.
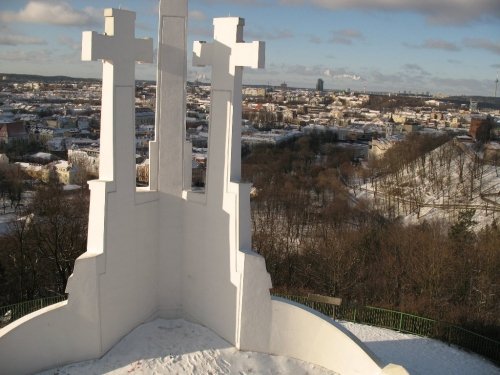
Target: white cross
<point>119,50</point>
<point>118,42</point>
<point>227,55</point>
<point>228,50</point>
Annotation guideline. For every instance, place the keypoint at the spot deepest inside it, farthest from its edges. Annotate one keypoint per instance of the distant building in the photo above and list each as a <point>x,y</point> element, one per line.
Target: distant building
<point>65,171</point>
<point>378,147</point>
<point>480,128</point>
<point>87,157</point>
<point>411,127</point>
<point>144,116</point>
<point>12,131</point>
<point>473,106</point>
<point>256,92</point>
<point>320,85</point>
<point>62,122</point>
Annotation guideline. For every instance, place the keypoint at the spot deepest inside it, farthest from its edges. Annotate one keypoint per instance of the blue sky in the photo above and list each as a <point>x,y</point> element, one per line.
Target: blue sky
<point>440,46</point>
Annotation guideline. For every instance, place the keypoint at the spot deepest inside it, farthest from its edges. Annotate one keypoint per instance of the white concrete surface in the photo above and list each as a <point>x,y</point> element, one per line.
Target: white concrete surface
<point>305,334</point>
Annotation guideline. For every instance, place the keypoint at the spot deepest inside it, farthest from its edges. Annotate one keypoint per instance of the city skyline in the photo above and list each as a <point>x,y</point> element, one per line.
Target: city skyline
<point>450,47</point>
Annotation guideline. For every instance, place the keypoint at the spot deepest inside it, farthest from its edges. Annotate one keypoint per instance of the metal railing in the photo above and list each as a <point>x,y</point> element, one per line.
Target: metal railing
<point>407,323</point>
<point>10,313</point>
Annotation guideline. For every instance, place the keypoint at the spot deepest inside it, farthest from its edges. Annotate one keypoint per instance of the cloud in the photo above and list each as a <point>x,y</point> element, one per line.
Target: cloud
<point>18,39</point>
<point>495,66</point>
<point>204,32</point>
<point>376,77</point>
<point>415,69</point>
<point>197,15</point>
<point>345,36</point>
<point>69,42</point>
<point>450,12</point>
<point>410,78</point>
<point>317,71</point>
<point>143,26</point>
<point>239,2</point>
<point>435,44</point>
<point>303,70</point>
<point>40,56</point>
<point>481,43</point>
<point>329,73</point>
<point>53,12</point>
<point>314,39</point>
<point>8,37</point>
<point>270,35</point>
<point>463,85</point>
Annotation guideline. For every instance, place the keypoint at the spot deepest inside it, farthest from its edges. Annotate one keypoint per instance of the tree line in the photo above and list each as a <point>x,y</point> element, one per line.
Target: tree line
<point>317,237</point>
<point>38,252</point>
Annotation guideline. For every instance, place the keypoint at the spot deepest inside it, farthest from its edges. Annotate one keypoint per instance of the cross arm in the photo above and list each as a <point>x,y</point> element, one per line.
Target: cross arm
<point>97,46</point>
<point>249,54</point>
<point>202,53</point>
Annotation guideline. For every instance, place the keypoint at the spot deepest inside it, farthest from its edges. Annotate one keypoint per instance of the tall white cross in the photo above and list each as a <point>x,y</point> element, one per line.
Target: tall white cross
<point>119,50</point>
<point>227,55</point>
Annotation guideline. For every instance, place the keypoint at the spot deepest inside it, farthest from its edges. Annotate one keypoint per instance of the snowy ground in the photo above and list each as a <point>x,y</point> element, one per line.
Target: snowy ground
<point>420,355</point>
<point>180,347</point>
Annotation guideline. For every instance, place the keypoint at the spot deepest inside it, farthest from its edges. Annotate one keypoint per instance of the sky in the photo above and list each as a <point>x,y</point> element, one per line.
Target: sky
<point>438,46</point>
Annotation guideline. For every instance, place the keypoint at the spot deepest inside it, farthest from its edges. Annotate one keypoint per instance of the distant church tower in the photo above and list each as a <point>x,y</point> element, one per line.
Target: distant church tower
<point>319,85</point>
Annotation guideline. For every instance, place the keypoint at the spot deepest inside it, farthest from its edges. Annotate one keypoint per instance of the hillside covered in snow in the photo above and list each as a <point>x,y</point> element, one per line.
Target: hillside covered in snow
<point>438,185</point>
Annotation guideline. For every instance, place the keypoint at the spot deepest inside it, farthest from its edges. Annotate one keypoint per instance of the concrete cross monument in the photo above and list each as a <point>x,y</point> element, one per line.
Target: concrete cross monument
<point>165,251</point>
<point>119,50</point>
<point>224,194</point>
<point>227,55</point>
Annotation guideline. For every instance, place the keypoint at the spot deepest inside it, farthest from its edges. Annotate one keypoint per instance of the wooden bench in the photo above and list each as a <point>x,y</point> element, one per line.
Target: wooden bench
<point>334,301</point>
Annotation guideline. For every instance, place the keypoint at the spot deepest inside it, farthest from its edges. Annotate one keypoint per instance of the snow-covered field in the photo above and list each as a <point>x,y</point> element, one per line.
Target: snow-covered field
<point>180,347</point>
